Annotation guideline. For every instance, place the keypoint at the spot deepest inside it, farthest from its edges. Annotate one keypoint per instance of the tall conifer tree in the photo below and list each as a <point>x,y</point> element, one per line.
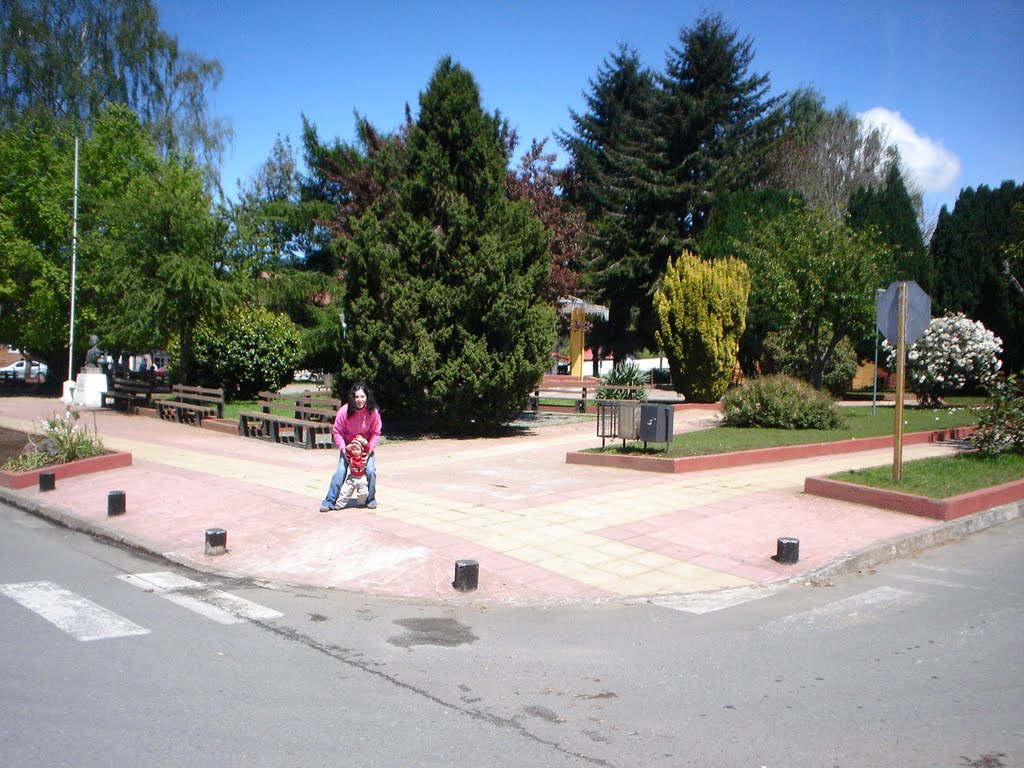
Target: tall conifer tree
<point>969,250</point>
<point>718,124</point>
<point>622,109</point>
<point>700,129</point>
<point>891,212</point>
<point>445,276</point>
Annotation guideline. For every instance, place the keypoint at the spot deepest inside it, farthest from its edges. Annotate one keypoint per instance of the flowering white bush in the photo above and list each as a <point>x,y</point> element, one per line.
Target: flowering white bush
<point>952,354</point>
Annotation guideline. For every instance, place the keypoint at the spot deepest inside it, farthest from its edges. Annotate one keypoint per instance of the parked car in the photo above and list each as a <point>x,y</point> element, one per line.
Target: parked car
<point>17,370</point>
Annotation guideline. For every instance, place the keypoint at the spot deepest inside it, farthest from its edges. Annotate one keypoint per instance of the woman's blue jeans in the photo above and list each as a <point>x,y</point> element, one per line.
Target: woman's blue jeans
<point>339,479</point>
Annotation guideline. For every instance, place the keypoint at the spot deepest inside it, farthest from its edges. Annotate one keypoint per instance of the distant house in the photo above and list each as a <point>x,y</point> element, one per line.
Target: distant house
<point>8,355</point>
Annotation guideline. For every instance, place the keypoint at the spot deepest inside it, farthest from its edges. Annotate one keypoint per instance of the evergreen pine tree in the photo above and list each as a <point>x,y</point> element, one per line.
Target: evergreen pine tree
<point>622,111</point>
<point>891,212</point>
<point>445,276</point>
<point>655,157</point>
<point>968,251</point>
<point>621,106</point>
<point>718,123</point>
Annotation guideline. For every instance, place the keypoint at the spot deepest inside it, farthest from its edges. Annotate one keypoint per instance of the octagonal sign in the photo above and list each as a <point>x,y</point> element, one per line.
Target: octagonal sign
<point>887,312</point>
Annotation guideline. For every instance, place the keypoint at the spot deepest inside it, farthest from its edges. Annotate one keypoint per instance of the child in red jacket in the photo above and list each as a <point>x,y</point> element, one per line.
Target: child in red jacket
<point>355,480</point>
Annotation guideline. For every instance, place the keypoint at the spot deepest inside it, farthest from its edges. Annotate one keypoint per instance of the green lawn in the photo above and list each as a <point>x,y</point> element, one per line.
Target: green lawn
<point>942,477</point>
<point>860,423</point>
<point>232,409</point>
<point>936,478</point>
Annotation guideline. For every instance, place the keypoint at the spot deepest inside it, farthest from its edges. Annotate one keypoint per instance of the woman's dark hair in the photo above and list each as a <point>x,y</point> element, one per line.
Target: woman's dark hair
<point>371,402</point>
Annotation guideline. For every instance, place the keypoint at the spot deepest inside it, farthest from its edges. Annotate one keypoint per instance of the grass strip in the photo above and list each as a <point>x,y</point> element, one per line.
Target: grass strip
<point>859,423</point>
<point>232,409</point>
<point>235,407</point>
<point>943,476</point>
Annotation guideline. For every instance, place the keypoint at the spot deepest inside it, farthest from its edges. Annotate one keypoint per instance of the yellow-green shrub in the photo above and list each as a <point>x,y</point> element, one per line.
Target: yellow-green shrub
<point>701,308</point>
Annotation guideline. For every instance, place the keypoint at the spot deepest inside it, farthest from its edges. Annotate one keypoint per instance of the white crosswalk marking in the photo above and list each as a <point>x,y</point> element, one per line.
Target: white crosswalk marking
<point>932,582</point>
<point>214,604</point>
<point>708,602</point>
<point>74,614</point>
<point>856,609</point>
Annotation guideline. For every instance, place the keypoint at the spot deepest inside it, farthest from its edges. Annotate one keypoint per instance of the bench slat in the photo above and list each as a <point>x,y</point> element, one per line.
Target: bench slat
<point>310,417</point>
<point>197,402</point>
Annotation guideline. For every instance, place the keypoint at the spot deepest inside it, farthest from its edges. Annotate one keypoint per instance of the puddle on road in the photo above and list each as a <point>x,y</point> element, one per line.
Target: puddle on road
<point>447,633</point>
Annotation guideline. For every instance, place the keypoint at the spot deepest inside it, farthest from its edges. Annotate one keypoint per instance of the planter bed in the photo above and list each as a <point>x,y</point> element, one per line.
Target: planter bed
<point>756,456</point>
<point>110,460</point>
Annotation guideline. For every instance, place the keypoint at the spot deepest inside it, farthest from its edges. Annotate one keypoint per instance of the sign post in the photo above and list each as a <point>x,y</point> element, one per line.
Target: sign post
<point>901,381</point>
<point>902,313</point>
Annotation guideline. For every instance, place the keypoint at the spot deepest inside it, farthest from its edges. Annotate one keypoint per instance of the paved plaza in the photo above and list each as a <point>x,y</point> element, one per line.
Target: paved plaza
<point>540,529</point>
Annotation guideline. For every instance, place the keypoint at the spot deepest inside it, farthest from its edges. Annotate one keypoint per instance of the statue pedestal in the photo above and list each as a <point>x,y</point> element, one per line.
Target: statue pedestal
<point>89,388</point>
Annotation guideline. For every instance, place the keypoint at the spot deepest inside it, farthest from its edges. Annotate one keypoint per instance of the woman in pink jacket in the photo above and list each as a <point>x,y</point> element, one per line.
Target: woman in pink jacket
<point>358,420</point>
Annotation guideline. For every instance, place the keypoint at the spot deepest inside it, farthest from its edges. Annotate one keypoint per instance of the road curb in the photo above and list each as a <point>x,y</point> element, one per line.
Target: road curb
<point>911,543</point>
<point>849,562</point>
<point>68,519</point>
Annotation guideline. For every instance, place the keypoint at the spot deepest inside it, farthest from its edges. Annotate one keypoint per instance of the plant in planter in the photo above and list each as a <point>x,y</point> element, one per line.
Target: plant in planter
<point>626,375</point>
<point>63,441</point>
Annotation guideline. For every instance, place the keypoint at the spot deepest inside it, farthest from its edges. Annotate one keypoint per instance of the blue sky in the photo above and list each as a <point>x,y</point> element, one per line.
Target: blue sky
<point>946,78</point>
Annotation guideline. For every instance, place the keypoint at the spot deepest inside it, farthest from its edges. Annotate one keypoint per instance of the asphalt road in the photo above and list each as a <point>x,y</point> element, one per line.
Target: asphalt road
<point>109,658</point>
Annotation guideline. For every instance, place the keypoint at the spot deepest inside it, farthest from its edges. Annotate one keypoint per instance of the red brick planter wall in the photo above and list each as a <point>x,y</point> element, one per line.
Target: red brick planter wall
<point>112,460</point>
<point>938,509</point>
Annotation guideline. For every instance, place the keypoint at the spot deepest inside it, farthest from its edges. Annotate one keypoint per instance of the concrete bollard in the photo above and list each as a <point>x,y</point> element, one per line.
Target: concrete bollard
<point>787,550</point>
<point>115,503</point>
<point>467,574</point>
<point>47,481</point>
<point>216,541</point>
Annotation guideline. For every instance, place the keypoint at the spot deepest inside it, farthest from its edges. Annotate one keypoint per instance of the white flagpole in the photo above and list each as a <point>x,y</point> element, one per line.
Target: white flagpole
<point>74,265</point>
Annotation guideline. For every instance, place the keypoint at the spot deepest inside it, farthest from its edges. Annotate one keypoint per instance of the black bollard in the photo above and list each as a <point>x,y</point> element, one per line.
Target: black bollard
<point>467,574</point>
<point>115,503</point>
<point>216,541</point>
<point>47,481</point>
<point>787,550</point>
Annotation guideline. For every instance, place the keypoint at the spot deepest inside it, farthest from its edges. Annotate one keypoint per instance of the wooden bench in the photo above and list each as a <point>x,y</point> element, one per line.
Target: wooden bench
<point>188,405</point>
<point>130,394</point>
<point>575,391</point>
<point>309,424</point>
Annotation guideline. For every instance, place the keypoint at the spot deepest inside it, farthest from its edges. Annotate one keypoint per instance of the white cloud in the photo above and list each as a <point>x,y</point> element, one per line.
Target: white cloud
<point>933,167</point>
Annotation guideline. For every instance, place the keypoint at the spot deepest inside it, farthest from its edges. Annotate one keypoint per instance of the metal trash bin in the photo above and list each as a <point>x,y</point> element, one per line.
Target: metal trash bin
<point>607,419</point>
<point>618,419</point>
<point>656,423</point>
<point>629,420</point>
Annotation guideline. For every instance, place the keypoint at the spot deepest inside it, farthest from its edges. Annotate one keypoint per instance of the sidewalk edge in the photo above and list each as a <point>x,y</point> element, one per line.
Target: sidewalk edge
<point>68,519</point>
<point>845,563</point>
<point>911,543</point>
